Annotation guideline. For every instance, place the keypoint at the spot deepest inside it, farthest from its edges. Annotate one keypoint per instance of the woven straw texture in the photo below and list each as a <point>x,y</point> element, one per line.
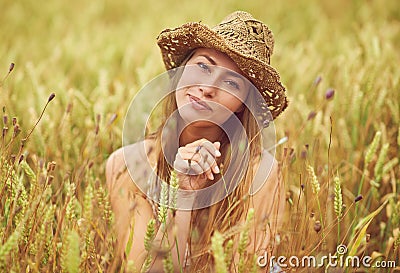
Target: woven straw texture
<point>247,41</point>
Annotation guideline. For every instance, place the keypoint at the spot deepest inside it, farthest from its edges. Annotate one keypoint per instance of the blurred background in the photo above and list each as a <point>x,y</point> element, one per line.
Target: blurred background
<point>339,61</point>
<point>102,52</point>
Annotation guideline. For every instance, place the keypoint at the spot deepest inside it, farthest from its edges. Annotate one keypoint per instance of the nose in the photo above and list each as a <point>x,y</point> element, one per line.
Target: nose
<point>208,91</point>
<point>209,85</point>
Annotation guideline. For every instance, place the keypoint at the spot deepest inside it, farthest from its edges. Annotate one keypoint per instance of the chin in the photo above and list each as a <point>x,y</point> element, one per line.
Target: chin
<point>202,118</point>
<point>198,122</point>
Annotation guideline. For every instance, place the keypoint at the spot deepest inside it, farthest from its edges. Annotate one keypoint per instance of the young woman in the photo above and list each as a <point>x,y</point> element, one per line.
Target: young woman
<point>224,92</point>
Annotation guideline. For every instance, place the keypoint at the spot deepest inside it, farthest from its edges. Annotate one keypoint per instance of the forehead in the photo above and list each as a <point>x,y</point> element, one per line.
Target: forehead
<point>220,58</point>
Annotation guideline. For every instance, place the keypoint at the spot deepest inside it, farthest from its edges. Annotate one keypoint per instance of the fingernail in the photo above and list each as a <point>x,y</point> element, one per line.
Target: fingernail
<point>216,169</point>
<point>212,177</point>
<point>217,153</point>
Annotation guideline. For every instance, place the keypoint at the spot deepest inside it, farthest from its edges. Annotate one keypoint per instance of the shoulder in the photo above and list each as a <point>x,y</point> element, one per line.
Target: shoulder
<point>268,203</point>
<point>266,174</point>
<point>269,198</point>
<point>116,162</point>
<point>119,161</point>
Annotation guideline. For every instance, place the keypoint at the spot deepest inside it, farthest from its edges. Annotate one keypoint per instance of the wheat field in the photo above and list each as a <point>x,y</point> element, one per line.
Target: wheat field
<point>68,71</point>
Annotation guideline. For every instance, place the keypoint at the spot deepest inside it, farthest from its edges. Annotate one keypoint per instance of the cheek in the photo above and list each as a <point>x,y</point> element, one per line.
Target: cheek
<point>233,103</point>
<point>237,106</point>
<point>179,96</point>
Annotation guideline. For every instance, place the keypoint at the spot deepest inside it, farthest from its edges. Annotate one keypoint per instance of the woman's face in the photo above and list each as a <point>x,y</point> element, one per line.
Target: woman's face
<point>210,89</point>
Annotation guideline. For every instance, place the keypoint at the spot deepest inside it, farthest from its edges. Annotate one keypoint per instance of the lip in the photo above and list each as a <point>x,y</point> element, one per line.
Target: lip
<point>199,104</point>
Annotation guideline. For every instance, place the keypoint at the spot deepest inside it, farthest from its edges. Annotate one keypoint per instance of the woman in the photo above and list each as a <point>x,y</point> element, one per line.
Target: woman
<point>223,93</point>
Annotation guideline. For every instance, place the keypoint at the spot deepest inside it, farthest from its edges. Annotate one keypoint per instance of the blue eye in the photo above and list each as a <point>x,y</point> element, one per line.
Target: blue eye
<point>204,67</point>
<point>233,84</point>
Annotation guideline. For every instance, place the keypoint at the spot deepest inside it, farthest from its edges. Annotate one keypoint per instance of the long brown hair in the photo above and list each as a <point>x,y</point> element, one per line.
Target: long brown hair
<point>231,210</point>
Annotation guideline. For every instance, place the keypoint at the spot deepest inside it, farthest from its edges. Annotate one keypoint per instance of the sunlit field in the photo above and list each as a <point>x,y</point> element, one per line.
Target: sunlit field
<point>339,61</point>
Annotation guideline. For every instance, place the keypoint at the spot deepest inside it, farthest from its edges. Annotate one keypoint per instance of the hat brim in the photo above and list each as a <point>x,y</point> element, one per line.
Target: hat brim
<point>176,44</point>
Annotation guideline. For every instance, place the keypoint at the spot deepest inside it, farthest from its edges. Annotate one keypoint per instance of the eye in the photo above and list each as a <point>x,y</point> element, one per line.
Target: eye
<point>232,84</point>
<point>204,67</point>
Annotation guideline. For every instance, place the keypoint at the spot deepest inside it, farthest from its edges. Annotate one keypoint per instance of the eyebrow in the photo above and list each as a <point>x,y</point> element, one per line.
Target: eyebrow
<point>234,74</point>
<point>211,60</point>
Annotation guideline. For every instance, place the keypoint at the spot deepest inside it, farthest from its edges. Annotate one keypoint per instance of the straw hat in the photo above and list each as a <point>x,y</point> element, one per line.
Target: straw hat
<point>247,41</point>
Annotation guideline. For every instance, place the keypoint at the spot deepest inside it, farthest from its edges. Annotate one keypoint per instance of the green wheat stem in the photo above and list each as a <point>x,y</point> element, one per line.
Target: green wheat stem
<point>359,188</point>
<point>368,158</point>
<point>163,206</point>
<point>338,203</point>
<point>320,217</point>
<point>178,253</point>
<point>338,229</point>
<point>315,186</point>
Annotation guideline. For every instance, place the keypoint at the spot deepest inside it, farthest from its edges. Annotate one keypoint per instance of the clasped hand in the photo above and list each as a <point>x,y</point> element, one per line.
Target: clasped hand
<point>196,162</point>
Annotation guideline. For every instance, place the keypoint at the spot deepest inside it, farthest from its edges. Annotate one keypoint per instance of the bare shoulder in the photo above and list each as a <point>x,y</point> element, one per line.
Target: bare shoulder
<point>269,199</point>
<point>116,162</point>
<point>268,202</point>
<point>267,173</point>
<point>119,161</point>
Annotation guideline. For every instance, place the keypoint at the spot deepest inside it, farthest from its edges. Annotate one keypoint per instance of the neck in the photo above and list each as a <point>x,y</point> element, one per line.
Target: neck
<point>192,133</point>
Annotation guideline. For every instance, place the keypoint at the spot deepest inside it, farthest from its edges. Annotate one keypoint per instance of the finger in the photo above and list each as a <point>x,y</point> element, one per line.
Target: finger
<point>189,152</point>
<point>191,156</point>
<point>208,152</point>
<point>214,168</point>
<point>189,149</point>
<point>192,151</point>
<point>207,160</point>
<point>200,164</point>
<point>180,165</point>
<point>217,145</point>
<point>203,159</point>
<point>194,168</point>
<point>188,167</point>
<point>206,164</point>
<point>211,162</point>
<point>211,148</point>
<point>197,142</point>
<point>194,164</point>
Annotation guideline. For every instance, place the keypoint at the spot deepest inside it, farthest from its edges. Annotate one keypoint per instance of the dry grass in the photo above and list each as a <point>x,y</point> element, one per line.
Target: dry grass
<point>54,211</point>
